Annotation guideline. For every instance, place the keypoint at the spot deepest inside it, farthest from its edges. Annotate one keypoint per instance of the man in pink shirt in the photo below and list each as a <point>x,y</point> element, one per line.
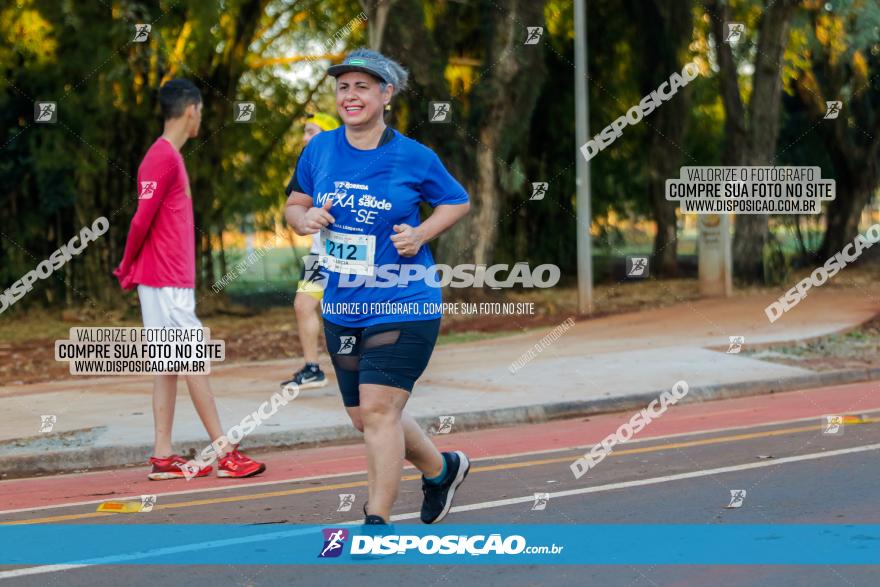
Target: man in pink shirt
<point>160,259</point>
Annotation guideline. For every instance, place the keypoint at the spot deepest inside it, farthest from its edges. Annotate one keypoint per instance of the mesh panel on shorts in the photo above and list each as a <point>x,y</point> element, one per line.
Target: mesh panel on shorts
<point>347,362</point>
<point>381,339</point>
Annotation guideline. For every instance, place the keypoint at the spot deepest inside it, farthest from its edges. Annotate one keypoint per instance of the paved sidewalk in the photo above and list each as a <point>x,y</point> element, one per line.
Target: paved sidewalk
<point>617,362</point>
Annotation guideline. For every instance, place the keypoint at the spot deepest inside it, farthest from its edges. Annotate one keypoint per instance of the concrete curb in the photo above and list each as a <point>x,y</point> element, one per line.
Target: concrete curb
<point>84,458</point>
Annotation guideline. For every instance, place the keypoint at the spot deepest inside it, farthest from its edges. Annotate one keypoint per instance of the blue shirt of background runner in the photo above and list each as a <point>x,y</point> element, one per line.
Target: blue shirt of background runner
<point>401,172</point>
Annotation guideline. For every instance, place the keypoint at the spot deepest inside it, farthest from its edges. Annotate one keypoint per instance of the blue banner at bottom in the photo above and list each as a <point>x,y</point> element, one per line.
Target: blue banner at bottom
<point>170,544</point>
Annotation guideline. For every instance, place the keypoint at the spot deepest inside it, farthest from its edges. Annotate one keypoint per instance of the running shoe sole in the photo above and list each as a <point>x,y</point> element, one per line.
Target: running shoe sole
<point>164,476</point>
<point>221,473</point>
<point>464,468</point>
<point>310,385</point>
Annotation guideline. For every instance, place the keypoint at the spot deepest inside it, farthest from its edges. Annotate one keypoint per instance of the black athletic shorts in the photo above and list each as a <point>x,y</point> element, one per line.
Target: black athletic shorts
<point>393,354</point>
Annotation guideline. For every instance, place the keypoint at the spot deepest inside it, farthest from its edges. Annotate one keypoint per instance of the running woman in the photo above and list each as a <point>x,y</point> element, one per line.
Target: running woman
<point>362,186</point>
<point>307,303</point>
<point>160,260</point>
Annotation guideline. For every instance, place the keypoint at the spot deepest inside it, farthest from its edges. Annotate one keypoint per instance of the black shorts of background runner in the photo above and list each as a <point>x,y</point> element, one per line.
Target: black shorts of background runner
<point>393,354</point>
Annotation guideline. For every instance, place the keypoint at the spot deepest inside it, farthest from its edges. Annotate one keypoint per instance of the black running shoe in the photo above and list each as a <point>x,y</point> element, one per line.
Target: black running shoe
<point>308,377</point>
<point>438,498</point>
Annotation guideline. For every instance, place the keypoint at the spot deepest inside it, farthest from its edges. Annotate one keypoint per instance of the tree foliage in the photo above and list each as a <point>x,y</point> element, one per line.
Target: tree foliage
<point>513,114</point>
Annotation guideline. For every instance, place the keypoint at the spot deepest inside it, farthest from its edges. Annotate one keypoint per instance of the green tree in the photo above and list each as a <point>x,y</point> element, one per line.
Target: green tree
<point>59,178</point>
<point>751,126</point>
<point>664,32</point>
<point>496,81</point>
<point>842,63</point>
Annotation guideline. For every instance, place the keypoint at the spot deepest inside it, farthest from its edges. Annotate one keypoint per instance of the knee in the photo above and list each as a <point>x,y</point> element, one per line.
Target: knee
<point>376,412</point>
<point>165,382</point>
<point>301,304</point>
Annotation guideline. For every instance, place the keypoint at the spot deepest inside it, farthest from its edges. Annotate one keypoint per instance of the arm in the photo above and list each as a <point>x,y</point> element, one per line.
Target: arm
<point>138,230</point>
<point>409,240</point>
<point>299,211</point>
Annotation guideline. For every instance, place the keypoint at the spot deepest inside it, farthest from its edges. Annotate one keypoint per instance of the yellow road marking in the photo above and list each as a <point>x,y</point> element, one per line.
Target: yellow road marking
<point>120,507</point>
<point>500,467</point>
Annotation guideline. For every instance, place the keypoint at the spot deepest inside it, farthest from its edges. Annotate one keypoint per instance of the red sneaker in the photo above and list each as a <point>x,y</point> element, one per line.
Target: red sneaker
<point>172,468</point>
<point>235,464</point>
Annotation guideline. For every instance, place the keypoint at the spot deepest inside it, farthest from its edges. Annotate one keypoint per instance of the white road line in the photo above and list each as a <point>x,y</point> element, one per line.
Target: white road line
<point>38,570</point>
<point>462,508</point>
<point>665,479</point>
<point>123,558</point>
<point>406,467</point>
<point>651,481</point>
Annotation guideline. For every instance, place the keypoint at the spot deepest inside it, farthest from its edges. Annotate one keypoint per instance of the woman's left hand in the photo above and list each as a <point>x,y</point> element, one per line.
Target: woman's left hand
<point>407,241</point>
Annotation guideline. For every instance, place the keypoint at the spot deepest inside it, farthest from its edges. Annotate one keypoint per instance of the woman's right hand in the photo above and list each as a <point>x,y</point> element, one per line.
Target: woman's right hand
<point>316,218</point>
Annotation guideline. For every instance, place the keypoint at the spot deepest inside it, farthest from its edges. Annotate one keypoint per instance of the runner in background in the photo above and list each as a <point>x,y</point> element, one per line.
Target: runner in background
<point>307,303</point>
<point>160,260</point>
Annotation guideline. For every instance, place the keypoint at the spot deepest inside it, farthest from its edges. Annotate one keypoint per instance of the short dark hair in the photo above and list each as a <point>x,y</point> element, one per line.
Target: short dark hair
<point>175,95</point>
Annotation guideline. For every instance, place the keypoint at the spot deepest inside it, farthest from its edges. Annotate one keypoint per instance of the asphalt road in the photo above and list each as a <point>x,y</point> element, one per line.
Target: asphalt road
<point>680,470</point>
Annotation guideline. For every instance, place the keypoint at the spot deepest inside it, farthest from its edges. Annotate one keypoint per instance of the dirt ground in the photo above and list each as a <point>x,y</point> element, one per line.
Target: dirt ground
<point>27,342</point>
<point>857,349</point>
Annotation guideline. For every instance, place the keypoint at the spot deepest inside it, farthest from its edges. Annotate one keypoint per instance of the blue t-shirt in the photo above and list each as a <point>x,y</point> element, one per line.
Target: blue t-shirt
<point>372,191</point>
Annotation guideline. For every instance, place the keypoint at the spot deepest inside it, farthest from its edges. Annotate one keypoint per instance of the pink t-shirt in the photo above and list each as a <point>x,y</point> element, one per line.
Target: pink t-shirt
<point>160,249</point>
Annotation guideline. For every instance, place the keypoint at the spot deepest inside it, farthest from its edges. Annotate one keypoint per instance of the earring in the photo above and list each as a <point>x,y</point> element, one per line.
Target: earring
<point>387,107</point>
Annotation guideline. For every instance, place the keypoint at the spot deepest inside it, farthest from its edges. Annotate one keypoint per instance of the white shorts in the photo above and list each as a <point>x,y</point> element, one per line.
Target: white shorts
<point>168,307</point>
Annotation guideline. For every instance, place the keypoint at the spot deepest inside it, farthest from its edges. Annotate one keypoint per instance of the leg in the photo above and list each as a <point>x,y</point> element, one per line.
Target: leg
<point>155,314</point>
<point>393,357</point>
<point>308,324</point>
<point>418,448</point>
<point>203,400</point>
<point>164,399</point>
<point>354,414</point>
<point>420,451</point>
<point>230,462</point>
<point>174,307</point>
<point>381,408</point>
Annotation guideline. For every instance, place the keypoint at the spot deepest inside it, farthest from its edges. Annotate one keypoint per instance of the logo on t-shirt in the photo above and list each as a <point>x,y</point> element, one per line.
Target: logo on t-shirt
<point>368,201</point>
<point>148,188</point>
<point>364,206</point>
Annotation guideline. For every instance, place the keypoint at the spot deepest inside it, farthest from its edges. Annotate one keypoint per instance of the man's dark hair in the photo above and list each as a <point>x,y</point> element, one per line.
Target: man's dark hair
<point>175,95</point>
